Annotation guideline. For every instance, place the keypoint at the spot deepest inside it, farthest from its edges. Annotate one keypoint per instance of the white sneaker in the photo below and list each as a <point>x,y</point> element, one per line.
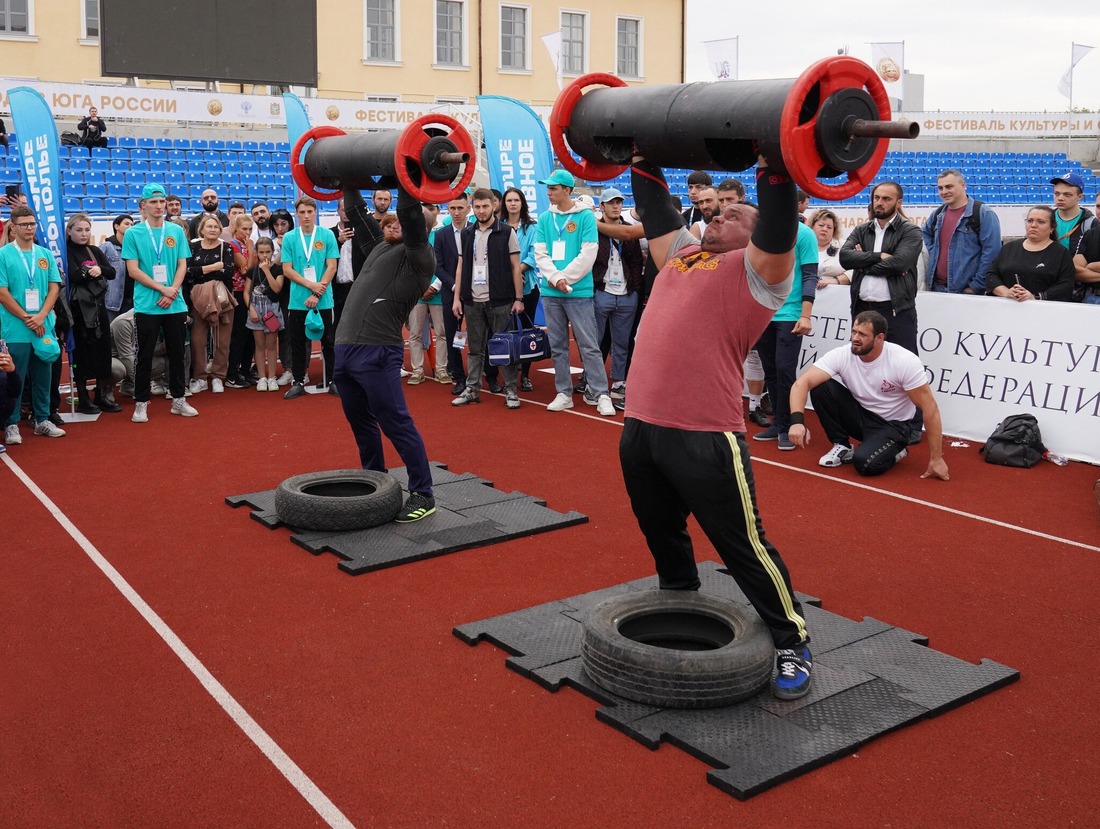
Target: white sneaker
<point>261,384</point>
<point>604,406</point>
<point>141,413</point>
<point>286,378</point>
<point>198,386</point>
<point>48,430</point>
<point>837,456</point>
<point>157,389</point>
<point>560,403</point>
<point>216,386</point>
<point>180,406</point>
<point>272,384</point>
<point>12,436</point>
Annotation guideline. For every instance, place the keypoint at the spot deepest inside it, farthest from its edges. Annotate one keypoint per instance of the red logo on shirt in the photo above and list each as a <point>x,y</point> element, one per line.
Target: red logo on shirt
<point>887,386</point>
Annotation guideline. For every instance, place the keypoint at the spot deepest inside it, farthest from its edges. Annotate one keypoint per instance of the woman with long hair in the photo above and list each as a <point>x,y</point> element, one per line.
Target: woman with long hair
<point>89,273</point>
<point>261,298</point>
<point>1035,267</point>
<point>211,260</point>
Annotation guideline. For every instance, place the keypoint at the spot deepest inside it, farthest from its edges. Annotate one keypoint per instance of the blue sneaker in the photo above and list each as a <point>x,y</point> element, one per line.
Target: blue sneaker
<point>792,679</point>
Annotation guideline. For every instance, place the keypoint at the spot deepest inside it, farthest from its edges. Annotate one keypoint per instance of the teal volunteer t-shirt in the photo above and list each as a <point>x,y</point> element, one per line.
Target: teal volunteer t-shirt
<point>322,245</point>
<point>27,276</point>
<point>152,246</point>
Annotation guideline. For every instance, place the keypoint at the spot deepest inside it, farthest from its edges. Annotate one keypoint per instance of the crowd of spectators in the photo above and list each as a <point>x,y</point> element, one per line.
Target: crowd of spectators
<point>244,299</point>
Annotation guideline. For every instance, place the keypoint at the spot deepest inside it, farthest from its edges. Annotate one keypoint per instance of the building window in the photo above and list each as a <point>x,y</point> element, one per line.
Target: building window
<point>448,32</point>
<point>381,30</point>
<point>513,37</point>
<point>628,47</point>
<point>91,19</point>
<point>572,43</point>
<point>15,17</point>
<point>382,99</point>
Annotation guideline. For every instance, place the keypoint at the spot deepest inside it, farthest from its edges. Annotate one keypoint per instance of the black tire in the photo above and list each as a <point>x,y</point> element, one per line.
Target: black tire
<point>343,499</point>
<point>677,649</point>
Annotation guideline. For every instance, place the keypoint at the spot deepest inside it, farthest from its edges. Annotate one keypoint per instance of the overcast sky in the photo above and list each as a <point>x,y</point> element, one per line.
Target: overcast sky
<point>975,55</point>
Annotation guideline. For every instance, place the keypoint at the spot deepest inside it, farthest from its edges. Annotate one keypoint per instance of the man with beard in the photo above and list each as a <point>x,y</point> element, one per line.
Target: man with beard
<point>261,222</point>
<point>210,202</point>
<point>868,392</point>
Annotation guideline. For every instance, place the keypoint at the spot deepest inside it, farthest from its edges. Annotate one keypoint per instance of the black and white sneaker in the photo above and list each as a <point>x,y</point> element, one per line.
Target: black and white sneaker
<point>758,417</point>
<point>417,506</point>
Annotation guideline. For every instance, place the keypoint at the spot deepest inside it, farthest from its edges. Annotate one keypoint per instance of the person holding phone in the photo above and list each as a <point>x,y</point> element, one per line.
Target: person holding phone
<point>91,128</point>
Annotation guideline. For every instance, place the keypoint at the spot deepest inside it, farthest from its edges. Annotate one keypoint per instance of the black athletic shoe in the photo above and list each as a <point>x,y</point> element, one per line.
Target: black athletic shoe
<point>458,387</point>
<point>526,385</point>
<point>332,390</point>
<point>758,417</point>
<point>296,390</point>
<point>793,673</point>
<point>496,387</point>
<point>55,419</point>
<point>417,506</point>
<point>582,386</point>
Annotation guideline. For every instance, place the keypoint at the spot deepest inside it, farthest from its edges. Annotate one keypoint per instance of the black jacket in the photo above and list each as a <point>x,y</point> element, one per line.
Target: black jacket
<point>88,295</point>
<point>631,255</point>
<point>502,286</point>
<point>903,241</point>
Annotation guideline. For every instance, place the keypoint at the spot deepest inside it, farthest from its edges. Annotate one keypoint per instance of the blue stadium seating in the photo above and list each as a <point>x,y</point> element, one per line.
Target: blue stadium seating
<point>217,144</point>
<point>117,191</point>
<point>92,205</point>
<point>139,155</point>
<point>250,145</point>
<point>115,205</point>
<point>127,141</point>
<point>234,145</point>
<point>139,166</point>
<point>72,189</point>
<point>165,143</point>
<point>146,143</point>
<point>71,205</point>
<point>200,144</point>
<point>267,146</point>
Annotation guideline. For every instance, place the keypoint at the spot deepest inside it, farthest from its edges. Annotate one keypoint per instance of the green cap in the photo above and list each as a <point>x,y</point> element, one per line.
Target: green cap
<point>153,191</point>
<point>562,177</point>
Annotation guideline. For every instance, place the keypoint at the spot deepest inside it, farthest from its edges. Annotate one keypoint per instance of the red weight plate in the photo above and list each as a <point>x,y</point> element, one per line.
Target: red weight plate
<point>798,141</point>
<point>409,146</point>
<point>560,118</point>
<point>298,169</point>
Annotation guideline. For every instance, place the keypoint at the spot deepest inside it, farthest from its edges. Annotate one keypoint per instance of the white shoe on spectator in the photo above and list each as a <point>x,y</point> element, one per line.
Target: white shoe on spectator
<point>560,403</point>
<point>141,413</point>
<point>197,386</point>
<point>157,389</point>
<point>286,378</point>
<point>12,436</point>
<point>48,430</point>
<point>604,406</point>
<point>180,406</point>
<point>261,384</point>
<point>216,386</point>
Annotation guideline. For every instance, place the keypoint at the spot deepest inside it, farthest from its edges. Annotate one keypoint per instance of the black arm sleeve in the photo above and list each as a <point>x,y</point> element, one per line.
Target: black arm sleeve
<point>361,218</point>
<point>414,230</point>
<point>652,200</point>
<point>777,227</point>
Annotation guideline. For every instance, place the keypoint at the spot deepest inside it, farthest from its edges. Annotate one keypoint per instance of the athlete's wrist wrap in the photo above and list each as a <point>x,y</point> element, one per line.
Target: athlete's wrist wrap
<point>652,200</point>
<point>777,227</point>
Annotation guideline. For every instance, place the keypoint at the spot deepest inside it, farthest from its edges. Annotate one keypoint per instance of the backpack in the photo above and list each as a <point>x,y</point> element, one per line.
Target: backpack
<point>1015,442</point>
<point>974,222</point>
<point>70,139</point>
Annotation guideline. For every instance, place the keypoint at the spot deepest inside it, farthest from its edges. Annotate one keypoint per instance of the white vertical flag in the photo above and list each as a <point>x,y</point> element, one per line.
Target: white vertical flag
<point>888,60</point>
<point>552,42</point>
<point>1065,86</point>
<point>722,57</point>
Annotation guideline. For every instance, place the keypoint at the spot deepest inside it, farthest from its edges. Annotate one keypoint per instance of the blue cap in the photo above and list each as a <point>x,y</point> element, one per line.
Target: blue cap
<point>153,191</point>
<point>562,177</point>
<point>1072,179</point>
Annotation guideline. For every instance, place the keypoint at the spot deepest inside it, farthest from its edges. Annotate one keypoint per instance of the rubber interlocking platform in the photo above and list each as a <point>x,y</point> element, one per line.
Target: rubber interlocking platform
<point>469,512</point>
<point>869,678</point>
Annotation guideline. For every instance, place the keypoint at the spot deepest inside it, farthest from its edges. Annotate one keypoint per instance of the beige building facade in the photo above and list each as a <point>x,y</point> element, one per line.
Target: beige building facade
<point>407,51</point>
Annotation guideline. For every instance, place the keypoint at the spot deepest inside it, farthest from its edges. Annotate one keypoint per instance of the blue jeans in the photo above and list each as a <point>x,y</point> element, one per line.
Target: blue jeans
<point>620,312</point>
<point>1092,298</point>
<point>779,349</point>
<point>561,312</point>
<point>369,380</point>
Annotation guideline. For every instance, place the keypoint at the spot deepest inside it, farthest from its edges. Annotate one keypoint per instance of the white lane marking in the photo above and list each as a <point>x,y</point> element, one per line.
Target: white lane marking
<point>899,496</point>
<point>279,758</point>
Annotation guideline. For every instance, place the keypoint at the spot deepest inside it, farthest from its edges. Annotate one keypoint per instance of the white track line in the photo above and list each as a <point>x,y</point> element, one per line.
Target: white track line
<point>876,490</point>
<point>271,750</point>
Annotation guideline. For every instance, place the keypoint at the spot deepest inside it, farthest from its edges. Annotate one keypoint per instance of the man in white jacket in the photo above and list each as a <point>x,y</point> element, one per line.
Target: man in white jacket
<point>566,242</point>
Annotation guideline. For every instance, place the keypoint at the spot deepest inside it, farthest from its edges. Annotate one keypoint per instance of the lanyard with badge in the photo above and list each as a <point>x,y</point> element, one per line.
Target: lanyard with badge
<point>32,299</point>
<point>481,268</point>
<point>557,252</point>
<point>616,280</point>
<point>160,270</point>
<point>309,273</point>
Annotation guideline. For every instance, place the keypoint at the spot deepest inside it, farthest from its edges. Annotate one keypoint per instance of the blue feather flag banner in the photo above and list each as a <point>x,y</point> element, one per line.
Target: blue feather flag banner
<point>517,148</point>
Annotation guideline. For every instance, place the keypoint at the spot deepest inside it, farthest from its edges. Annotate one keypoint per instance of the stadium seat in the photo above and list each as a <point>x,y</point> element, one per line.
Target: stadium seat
<point>261,157</point>
<point>71,205</point>
<point>127,141</point>
<point>115,205</point>
<point>234,145</point>
<point>181,143</point>
<point>158,168</point>
<point>177,157</point>
<point>265,179</point>
<point>118,191</point>
<point>246,157</point>
<point>282,147</point>
<point>165,143</point>
<point>100,152</point>
<point>133,189</point>
<point>92,205</point>
<point>139,166</point>
<point>158,155</point>
<point>195,177</point>
<point>72,189</point>
<point>200,144</point>
<point>231,179</point>
<point>114,176</point>
<point>139,155</point>
<point>217,144</point>
<point>100,165</point>
<point>95,178</point>
<point>193,205</point>
<point>97,190</point>
<point>228,155</point>
<point>251,146</point>
<point>146,143</point>
<point>267,146</point>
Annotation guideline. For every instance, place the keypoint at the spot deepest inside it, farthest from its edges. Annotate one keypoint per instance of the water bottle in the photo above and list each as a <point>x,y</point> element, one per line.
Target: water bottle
<point>1055,458</point>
